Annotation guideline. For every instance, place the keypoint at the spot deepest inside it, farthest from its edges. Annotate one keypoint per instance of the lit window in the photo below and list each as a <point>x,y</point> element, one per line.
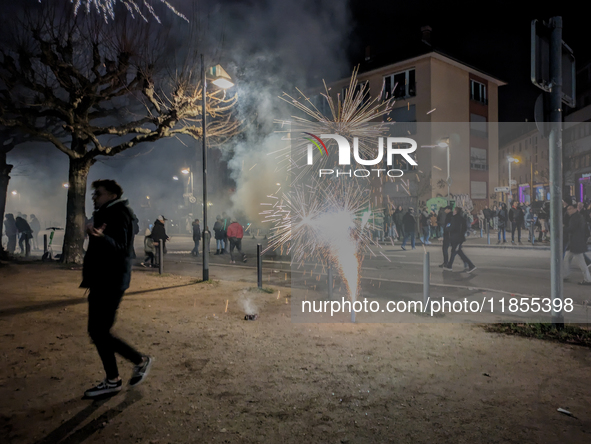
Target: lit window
<point>478,92</point>
<point>399,85</point>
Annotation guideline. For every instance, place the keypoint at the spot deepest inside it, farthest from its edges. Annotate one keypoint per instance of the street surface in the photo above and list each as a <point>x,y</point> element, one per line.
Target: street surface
<point>509,272</point>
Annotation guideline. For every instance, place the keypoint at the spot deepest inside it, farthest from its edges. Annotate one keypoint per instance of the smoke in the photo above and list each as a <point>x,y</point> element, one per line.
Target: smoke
<point>276,47</point>
<point>247,303</point>
<point>268,48</point>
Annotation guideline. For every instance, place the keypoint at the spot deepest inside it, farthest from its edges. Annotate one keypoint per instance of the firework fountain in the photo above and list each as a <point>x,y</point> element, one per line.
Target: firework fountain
<point>328,220</point>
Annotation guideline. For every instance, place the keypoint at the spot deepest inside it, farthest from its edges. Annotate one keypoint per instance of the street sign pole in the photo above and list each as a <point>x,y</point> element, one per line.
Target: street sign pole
<point>556,170</point>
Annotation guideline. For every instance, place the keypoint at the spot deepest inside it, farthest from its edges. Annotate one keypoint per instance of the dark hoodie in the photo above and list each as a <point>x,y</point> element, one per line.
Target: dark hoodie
<point>107,263</point>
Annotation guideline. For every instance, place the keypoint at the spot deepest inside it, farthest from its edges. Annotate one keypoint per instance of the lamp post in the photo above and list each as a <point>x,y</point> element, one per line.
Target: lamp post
<point>511,160</point>
<point>222,80</point>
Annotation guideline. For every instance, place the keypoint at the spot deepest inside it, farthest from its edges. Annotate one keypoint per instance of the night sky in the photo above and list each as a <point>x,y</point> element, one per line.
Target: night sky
<point>274,46</point>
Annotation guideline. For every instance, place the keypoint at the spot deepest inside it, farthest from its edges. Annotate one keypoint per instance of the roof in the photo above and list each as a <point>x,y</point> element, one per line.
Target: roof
<point>419,49</point>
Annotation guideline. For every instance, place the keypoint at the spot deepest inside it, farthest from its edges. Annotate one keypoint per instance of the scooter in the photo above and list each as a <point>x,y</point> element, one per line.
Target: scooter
<point>48,255</point>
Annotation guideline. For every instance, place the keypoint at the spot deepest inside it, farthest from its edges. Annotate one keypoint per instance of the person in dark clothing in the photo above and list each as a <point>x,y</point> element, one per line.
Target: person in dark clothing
<point>516,217</point>
<point>25,235</point>
<point>196,237</point>
<point>11,232</point>
<point>488,215</point>
<point>409,226</point>
<point>220,235</point>
<point>159,233</point>
<point>457,237</point>
<point>502,216</point>
<point>106,272</point>
<point>36,228</point>
<point>577,244</point>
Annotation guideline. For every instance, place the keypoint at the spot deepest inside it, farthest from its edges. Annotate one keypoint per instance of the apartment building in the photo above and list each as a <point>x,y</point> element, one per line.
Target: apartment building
<point>439,99</point>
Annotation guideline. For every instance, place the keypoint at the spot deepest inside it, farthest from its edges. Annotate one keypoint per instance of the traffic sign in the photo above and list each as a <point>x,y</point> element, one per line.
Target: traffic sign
<point>540,63</point>
<point>512,182</point>
<point>502,189</point>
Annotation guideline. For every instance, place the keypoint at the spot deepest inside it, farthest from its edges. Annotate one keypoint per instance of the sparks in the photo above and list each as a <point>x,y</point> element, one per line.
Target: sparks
<point>106,8</point>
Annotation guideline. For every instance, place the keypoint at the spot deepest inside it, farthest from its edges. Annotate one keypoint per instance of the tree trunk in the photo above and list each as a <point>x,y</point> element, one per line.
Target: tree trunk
<point>4,179</point>
<point>73,252</point>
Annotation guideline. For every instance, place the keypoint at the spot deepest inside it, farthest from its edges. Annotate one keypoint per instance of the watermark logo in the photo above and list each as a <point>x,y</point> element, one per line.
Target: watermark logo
<point>395,146</point>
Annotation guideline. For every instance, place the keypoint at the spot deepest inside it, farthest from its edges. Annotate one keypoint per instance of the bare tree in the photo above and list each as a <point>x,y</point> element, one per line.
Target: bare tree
<point>92,89</point>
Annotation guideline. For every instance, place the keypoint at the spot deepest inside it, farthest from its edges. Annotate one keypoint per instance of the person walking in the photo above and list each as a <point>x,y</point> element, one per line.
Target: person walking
<point>517,218</point>
<point>25,234</point>
<point>36,228</point>
<point>577,244</point>
<point>502,217</point>
<point>235,234</point>
<point>106,273</point>
<point>219,234</point>
<point>409,224</point>
<point>11,232</point>
<point>457,237</point>
<point>196,236</point>
<point>149,249</point>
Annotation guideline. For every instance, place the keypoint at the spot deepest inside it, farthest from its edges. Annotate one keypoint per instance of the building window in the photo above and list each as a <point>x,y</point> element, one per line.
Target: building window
<point>478,126</point>
<point>400,85</point>
<point>478,159</point>
<point>478,190</point>
<point>478,92</point>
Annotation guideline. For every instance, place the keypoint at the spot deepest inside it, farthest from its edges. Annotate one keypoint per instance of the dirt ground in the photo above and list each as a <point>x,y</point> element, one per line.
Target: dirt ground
<point>219,378</point>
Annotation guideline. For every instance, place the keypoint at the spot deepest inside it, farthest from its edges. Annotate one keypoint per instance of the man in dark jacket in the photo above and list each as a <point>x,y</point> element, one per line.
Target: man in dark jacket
<point>488,215</point>
<point>457,230</point>
<point>220,235</point>
<point>409,226</point>
<point>196,237</point>
<point>502,217</point>
<point>516,217</point>
<point>25,234</point>
<point>577,244</point>
<point>159,233</point>
<point>107,273</point>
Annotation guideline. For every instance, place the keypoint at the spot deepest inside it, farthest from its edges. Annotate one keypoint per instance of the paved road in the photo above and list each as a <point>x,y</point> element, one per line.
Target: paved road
<point>520,271</point>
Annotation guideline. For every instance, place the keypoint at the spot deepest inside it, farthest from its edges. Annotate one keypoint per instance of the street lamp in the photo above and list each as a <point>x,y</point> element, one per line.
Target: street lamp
<point>446,146</point>
<point>221,79</point>
<point>511,160</point>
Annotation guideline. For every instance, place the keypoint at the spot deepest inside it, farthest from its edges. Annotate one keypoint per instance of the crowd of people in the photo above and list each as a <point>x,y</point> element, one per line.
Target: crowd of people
<point>228,234</point>
<point>453,225</point>
<point>22,230</point>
